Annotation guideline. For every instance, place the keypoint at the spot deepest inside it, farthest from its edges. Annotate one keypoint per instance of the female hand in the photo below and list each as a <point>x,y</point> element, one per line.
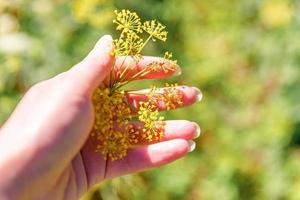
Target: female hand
<point>45,152</point>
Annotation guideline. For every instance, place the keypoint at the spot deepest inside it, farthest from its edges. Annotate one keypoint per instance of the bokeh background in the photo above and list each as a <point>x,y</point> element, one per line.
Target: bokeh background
<point>243,54</point>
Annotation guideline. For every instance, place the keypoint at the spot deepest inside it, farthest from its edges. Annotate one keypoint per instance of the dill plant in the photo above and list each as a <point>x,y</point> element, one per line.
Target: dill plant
<point>113,131</point>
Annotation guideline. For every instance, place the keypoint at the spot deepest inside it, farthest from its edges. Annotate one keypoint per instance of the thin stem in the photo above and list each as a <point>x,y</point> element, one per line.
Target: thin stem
<point>135,76</point>
<point>143,72</point>
<point>145,43</point>
<point>124,75</point>
<point>124,69</point>
<point>113,85</point>
<point>111,75</point>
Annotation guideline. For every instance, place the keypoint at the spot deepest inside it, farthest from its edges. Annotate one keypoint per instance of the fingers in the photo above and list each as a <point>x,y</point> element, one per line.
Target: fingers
<point>92,70</point>
<point>173,129</point>
<point>149,156</point>
<point>187,96</point>
<point>183,129</point>
<point>177,132</point>
<point>126,68</point>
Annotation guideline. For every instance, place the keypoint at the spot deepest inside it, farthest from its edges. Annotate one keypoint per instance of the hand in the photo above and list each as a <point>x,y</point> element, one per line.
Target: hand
<point>45,152</point>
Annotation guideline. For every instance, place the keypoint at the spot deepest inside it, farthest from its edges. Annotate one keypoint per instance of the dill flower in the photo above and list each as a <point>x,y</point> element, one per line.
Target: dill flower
<point>112,131</point>
<point>128,22</point>
<point>130,45</point>
<point>110,107</point>
<point>153,123</point>
<point>171,96</point>
<point>155,29</point>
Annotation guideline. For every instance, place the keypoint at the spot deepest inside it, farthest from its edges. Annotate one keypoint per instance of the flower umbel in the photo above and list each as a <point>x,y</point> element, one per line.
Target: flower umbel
<point>113,131</point>
<point>155,29</point>
<point>128,22</point>
<point>129,45</point>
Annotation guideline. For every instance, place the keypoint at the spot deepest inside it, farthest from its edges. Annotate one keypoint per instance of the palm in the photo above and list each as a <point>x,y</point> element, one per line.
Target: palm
<point>89,168</point>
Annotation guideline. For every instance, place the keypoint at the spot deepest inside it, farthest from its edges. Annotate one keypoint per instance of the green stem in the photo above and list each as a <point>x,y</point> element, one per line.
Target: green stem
<point>145,43</point>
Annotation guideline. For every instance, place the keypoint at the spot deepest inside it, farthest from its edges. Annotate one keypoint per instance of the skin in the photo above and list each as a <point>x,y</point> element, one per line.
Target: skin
<point>45,150</point>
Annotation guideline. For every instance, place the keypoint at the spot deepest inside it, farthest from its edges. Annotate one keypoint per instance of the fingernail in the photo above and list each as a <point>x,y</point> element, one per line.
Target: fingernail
<point>105,41</point>
<point>199,94</point>
<point>198,131</point>
<point>192,145</point>
<point>177,70</point>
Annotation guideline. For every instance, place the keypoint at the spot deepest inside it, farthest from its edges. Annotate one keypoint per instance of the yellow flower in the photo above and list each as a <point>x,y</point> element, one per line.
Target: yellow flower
<point>113,146</point>
<point>112,131</point>
<point>128,22</point>
<point>171,96</point>
<point>155,29</point>
<point>152,130</point>
<point>109,107</point>
<point>129,45</point>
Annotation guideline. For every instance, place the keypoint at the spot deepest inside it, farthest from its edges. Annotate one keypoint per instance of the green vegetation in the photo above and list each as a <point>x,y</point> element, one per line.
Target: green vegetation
<point>245,57</point>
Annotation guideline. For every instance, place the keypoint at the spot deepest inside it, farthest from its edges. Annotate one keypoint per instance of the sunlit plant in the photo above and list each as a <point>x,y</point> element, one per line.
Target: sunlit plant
<point>113,129</point>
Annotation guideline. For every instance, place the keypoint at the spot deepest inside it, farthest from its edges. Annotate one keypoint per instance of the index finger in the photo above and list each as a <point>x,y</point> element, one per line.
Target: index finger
<point>147,67</point>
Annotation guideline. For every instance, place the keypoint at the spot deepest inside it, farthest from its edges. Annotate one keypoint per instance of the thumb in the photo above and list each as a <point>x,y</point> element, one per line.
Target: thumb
<point>92,70</point>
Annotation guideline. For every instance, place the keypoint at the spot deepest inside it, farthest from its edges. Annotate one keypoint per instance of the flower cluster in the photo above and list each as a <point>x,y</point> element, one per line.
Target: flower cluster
<point>128,22</point>
<point>114,131</point>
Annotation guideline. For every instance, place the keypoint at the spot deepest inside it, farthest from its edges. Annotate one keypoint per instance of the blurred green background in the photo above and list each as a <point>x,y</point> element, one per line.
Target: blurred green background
<point>243,54</point>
